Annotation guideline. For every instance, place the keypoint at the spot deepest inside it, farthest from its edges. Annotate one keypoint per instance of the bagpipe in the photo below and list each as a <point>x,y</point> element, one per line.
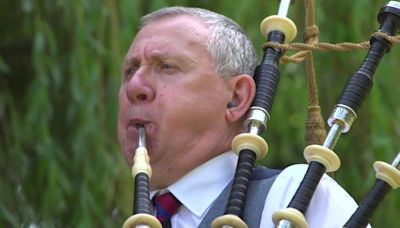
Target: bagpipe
<point>250,146</point>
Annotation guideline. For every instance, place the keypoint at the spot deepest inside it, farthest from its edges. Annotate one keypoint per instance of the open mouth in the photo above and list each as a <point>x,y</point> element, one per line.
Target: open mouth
<point>137,122</point>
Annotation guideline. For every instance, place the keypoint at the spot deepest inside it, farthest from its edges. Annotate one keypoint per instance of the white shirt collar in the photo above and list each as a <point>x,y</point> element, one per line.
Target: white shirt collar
<point>201,186</point>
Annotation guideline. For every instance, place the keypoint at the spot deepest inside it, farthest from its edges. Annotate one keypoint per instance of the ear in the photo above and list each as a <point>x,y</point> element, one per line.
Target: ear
<point>243,90</point>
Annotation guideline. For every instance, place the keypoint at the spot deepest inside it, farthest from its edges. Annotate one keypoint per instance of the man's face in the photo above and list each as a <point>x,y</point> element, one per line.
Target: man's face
<point>169,84</point>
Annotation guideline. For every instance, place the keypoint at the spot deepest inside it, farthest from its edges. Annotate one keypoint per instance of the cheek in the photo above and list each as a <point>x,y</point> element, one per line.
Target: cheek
<point>124,103</point>
<point>122,115</point>
<point>196,111</point>
<point>194,104</point>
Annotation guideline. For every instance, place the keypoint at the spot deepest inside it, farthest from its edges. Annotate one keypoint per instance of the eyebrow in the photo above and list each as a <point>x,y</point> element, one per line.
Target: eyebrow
<point>129,61</point>
<point>181,58</point>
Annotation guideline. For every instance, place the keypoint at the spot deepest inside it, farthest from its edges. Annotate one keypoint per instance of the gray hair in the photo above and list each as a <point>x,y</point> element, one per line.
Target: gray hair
<point>231,50</point>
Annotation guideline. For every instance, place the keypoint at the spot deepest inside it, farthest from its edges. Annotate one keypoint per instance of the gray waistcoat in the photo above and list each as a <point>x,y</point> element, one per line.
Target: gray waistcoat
<point>261,181</point>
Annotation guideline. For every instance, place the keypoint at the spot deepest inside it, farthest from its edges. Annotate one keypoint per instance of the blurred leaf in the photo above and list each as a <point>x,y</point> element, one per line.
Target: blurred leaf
<point>3,66</point>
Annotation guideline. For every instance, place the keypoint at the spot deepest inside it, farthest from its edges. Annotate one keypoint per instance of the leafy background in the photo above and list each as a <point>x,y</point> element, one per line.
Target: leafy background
<point>59,75</point>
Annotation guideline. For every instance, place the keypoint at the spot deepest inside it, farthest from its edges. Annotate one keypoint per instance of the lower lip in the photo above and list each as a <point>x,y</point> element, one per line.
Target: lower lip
<point>132,135</point>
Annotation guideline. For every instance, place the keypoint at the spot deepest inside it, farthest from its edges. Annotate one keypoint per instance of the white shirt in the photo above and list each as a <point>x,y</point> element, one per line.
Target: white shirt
<point>330,207</point>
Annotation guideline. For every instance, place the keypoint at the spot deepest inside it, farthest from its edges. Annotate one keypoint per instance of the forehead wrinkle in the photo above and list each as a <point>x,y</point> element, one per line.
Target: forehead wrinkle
<point>134,58</point>
<point>158,55</point>
<point>177,54</point>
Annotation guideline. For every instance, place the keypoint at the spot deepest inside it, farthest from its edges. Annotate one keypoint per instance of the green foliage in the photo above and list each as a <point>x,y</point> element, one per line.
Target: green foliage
<point>59,77</point>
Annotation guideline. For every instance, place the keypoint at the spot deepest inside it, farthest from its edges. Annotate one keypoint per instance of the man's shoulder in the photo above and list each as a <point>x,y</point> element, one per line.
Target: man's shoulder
<point>297,172</point>
<point>330,205</point>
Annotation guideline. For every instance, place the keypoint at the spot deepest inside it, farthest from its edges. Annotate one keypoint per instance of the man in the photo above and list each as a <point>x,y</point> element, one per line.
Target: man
<point>187,78</point>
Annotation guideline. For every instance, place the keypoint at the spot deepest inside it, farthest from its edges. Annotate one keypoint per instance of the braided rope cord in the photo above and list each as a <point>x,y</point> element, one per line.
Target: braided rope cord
<point>342,47</point>
<point>315,132</point>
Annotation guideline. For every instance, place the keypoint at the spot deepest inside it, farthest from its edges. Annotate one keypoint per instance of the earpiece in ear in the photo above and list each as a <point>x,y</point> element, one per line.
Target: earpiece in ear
<point>231,104</point>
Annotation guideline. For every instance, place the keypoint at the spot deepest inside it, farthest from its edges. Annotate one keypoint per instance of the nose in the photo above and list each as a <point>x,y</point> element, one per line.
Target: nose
<point>139,88</point>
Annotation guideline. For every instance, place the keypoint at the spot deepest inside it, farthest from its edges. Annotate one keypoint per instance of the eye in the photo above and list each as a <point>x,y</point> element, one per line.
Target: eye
<point>167,67</point>
<point>129,72</point>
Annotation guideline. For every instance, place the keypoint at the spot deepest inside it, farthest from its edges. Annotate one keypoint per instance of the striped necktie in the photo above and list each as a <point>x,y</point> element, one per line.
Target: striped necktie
<point>166,206</point>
